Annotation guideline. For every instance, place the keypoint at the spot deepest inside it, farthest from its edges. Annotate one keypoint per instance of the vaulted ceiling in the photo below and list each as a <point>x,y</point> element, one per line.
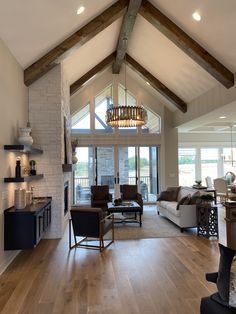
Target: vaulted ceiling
<point>158,52</point>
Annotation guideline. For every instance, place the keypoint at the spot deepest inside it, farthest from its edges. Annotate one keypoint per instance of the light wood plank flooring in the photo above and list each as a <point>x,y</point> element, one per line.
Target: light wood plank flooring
<point>163,276</point>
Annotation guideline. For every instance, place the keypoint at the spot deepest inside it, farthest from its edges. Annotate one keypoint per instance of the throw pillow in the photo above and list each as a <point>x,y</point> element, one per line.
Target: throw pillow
<point>175,191</point>
<point>166,196</point>
<point>195,198</point>
<point>184,201</point>
<point>226,279</point>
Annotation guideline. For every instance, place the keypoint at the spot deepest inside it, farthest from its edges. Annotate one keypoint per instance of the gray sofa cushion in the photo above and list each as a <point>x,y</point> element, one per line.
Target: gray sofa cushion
<point>184,201</point>
<point>167,196</point>
<point>175,191</point>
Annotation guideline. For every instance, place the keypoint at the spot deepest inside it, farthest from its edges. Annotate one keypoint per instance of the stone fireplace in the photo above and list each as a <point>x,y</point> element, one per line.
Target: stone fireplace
<point>49,99</point>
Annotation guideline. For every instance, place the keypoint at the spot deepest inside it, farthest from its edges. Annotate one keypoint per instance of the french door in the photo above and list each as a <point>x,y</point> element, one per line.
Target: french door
<point>116,164</point>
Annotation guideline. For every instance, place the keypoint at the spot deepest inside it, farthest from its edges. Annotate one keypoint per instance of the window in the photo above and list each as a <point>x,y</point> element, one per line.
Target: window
<point>131,101</point>
<point>102,103</point>
<point>227,157</point>
<point>80,121</point>
<point>209,163</point>
<point>153,125</point>
<point>187,164</point>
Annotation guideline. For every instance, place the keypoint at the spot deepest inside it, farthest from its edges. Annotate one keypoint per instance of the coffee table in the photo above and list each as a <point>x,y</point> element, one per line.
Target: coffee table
<point>126,207</point>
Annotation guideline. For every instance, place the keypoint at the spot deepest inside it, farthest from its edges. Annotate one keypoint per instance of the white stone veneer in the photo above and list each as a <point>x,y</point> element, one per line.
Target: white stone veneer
<point>49,101</point>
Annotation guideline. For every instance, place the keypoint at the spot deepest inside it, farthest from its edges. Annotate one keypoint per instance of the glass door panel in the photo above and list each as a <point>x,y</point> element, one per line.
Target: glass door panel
<point>127,165</point>
<point>83,175</point>
<point>105,167</point>
<point>148,173</point>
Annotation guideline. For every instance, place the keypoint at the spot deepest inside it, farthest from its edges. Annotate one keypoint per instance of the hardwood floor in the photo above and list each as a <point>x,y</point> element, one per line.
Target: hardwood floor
<point>163,276</point>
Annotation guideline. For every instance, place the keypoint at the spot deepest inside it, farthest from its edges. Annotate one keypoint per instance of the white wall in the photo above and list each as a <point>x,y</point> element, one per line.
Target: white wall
<point>14,114</point>
<point>170,160</point>
<point>213,99</point>
<point>205,139</point>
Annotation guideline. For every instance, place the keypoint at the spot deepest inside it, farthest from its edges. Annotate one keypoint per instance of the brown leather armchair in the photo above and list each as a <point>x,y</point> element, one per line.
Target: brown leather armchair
<point>91,224</point>
<point>100,196</point>
<point>130,193</point>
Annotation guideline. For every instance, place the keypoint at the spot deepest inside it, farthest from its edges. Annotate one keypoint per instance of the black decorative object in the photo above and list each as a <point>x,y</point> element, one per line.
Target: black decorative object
<point>32,167</point>
<point>18,168</point>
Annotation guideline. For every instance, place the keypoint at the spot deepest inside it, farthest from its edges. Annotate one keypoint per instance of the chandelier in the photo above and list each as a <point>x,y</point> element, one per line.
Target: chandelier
<point>126,116</point>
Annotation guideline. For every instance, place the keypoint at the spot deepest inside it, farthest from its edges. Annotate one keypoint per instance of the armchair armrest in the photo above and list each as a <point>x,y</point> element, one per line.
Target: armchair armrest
<point>140,199</point>
<point>212,277</point>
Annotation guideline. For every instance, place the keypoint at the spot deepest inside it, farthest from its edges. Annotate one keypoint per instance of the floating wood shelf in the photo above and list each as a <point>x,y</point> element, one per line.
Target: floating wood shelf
<point>23,149</point>
<point>67,167</point>
<point>23,179</point>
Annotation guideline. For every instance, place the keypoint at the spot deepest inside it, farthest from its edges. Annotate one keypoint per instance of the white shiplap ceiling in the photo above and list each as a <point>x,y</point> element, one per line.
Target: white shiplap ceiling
<point>31,28</point>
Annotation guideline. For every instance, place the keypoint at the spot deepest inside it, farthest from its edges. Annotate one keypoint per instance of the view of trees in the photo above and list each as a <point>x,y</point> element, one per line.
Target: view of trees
<point>131,161</point>
<point>82,166</point>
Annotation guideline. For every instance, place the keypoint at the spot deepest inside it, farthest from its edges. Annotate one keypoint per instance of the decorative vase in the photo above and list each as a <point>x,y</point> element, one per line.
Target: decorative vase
<point>24,136</point>
<point>74,158</point>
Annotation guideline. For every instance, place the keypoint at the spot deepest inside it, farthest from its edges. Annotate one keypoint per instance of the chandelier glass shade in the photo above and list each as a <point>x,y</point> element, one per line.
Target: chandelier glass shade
<point>126,116</point>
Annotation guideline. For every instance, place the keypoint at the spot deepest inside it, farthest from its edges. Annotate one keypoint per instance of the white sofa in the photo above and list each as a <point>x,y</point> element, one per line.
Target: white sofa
<point>185,216</point>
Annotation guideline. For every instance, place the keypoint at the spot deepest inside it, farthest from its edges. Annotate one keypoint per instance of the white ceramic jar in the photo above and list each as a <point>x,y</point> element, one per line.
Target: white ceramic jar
<point>24,136</point>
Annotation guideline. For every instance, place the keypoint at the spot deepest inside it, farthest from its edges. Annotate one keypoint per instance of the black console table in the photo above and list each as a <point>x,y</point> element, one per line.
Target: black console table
<point>207,220</point>
<point>24,228</point>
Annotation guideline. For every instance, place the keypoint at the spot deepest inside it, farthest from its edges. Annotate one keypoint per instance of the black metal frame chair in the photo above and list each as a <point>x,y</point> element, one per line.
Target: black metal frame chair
<point>90,224</point>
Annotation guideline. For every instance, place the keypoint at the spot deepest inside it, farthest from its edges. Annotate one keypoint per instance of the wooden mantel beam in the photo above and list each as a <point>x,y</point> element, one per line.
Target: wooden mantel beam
<point>79,38</point>
<point>155,83</point>
<point>125,32</point>
<point>98,68</point>
<point>186,44</point>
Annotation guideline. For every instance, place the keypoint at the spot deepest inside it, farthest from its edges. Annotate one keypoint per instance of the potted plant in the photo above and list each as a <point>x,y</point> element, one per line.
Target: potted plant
<point>206,198</point>
<point>198,182</point>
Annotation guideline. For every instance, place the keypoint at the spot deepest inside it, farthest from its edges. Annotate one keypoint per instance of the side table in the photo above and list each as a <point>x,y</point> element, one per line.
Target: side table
<point>207,220</point>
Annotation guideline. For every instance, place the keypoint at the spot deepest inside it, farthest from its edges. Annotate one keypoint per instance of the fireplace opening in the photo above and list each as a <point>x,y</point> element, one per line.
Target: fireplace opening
<point>66,197</point>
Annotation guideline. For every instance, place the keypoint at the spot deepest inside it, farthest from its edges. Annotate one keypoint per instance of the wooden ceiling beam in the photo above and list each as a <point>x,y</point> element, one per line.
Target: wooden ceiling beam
<point>98,68</point>
<point>79,38</point>
<point>156,84</point>
<point>125,32</point>
<point>186,44</point>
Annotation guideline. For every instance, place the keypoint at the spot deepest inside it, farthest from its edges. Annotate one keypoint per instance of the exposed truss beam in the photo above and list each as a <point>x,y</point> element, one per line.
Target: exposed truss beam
<point>187,44</point>
<point>125,32</point>
<point>79,38</point>
<point>98,68</point>
<point>155,83</point>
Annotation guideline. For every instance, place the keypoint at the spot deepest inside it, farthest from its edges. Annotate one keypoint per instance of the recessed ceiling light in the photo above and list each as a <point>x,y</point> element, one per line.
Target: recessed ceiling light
<point>222,117</point>
<point>197,17</point>
<point>148,83</point>
<point>80,10</point>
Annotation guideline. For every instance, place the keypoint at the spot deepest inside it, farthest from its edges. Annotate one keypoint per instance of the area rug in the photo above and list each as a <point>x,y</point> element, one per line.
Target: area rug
<point>153,226</point>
